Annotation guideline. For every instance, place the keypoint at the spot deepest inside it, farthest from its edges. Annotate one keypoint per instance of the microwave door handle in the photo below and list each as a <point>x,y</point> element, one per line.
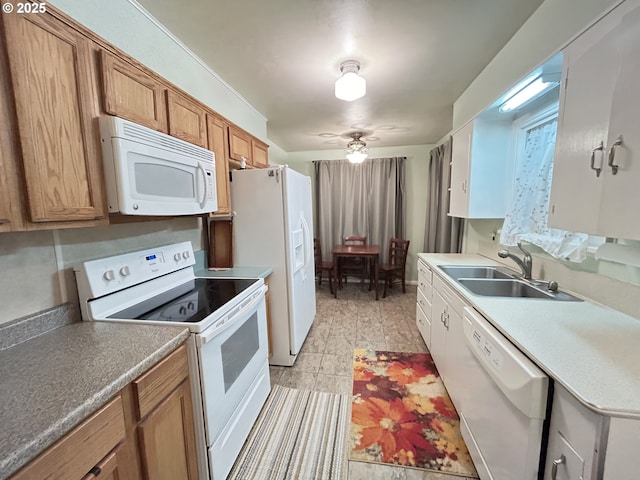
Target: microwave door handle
<point>203,174</point>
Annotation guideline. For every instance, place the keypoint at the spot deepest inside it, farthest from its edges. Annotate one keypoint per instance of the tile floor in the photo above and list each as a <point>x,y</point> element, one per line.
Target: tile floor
<point>356,320</point>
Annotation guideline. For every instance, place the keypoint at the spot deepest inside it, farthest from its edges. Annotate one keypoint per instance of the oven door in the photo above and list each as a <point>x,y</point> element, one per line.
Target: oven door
<point>231,354</point>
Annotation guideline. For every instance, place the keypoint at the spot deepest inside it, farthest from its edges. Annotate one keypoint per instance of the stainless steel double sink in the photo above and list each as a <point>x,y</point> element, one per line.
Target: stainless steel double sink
<point>500,282</point>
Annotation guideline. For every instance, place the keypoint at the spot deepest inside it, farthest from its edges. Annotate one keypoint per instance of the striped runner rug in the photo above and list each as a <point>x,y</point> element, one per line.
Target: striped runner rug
<point>299,434</point>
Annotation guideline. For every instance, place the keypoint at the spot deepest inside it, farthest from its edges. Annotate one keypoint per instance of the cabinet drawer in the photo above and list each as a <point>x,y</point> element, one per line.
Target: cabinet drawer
<point>425,304</point>
<point>424,273</point>
<point>424,325</point>
<point>448,294</point>
<point>80,450</point>
<point>155,385</point>
<point>424,283</point>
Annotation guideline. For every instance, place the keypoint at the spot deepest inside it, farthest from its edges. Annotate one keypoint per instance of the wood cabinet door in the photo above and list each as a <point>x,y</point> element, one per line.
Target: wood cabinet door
<point>216,135</point>
<point>130,93</point>
<point>6,216</point>
<point>260,154</point>
<point>56,111</point>
<point>167,438</point>
<point>239,145</point>
<point>187,120</point>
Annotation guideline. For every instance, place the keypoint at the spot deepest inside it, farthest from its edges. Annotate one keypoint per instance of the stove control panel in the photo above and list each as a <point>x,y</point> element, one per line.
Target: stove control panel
<point>108,275</point>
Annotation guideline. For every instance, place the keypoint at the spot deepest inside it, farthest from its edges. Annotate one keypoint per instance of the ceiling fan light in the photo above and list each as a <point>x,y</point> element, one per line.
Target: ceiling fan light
<point>356,157</point>
<point>350,86</point>
<point>356,149</point>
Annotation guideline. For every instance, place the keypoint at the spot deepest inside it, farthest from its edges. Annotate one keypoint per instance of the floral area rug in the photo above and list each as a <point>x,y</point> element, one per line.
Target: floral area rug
<point>401,414</point>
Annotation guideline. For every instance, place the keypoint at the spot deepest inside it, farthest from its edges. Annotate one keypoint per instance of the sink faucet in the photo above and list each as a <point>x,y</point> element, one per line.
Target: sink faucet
<point>524,263</point>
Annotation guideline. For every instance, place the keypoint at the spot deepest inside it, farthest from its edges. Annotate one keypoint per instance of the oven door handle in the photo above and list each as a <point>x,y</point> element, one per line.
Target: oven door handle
<point>233,317</point>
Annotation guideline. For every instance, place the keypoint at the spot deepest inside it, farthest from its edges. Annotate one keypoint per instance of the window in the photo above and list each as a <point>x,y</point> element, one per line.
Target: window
<point>527,213</point>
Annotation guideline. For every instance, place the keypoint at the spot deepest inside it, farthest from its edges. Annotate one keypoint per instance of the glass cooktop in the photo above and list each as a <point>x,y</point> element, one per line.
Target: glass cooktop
<point>190,302</point>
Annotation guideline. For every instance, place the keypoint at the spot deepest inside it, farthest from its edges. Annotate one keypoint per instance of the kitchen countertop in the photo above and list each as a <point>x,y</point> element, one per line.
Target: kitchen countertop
<point>236,272</point>
<point>590,349</point>
<point>52,382</point>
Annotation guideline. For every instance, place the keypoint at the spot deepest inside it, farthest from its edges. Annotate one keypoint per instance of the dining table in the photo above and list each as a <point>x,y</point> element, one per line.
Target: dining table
<point>364,251</point>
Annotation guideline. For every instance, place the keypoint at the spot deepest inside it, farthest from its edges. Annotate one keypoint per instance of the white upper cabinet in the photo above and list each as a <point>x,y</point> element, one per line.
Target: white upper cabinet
<point>599,104</point>
<point>480,170</point>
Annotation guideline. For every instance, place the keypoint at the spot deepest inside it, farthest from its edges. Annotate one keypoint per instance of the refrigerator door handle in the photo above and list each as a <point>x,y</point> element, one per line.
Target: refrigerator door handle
<point>308,245</point>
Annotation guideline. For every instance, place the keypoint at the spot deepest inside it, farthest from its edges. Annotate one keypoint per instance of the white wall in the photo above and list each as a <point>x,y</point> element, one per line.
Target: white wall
<point>36,268</point>
<point>125,24</point>
<point>416,188</point>
<point>546,32</point>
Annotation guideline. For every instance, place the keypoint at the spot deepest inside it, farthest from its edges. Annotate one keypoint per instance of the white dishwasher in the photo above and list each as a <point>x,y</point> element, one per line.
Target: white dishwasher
<point>503,405</point>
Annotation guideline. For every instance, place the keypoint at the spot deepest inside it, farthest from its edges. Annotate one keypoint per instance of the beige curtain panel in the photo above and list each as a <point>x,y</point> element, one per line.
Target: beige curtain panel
<point>443,234</point>
<point>365,199</point>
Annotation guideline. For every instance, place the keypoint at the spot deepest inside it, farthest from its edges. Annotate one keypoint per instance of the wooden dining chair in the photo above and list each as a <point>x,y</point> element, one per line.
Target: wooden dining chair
<point>396,264</point>
<point>320,265</point>
<point>352,266</point>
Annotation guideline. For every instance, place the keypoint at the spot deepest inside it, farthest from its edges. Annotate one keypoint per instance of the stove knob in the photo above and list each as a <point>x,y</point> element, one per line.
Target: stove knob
<point>176,257</point>
<point>191,306</point>
<point>185,254</point>
<point>182,311</point>
<point>124,271</point>
<point>109,275</point>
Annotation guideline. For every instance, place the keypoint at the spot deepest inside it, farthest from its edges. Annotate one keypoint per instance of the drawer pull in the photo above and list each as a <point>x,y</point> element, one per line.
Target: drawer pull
<point>95,471</point>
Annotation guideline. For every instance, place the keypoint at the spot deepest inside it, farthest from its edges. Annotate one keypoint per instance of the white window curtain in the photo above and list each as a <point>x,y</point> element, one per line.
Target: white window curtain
<point>526,218</point>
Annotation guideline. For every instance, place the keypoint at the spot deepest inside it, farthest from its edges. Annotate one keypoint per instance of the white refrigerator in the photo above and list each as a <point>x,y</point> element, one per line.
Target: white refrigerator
<point>273,227</point>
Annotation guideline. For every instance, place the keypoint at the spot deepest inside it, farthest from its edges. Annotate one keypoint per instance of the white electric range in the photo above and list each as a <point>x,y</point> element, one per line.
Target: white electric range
<point>228,347</point>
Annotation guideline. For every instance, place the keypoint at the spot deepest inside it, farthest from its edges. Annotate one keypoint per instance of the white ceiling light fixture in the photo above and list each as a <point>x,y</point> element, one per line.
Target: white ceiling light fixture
<point>356,149</point>
<point>528,90</point>
<point>350,86</point>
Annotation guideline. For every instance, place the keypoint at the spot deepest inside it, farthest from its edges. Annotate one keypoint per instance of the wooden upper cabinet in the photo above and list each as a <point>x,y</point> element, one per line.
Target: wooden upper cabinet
<point>260,154</point>
<point>132,94</point>
<point>56,111</point>
<point>217,135</point>
<point>187,120</point>
<point>239,145</point>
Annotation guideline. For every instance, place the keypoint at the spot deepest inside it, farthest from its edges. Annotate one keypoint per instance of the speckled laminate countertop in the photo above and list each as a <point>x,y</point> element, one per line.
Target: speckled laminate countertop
<point>52,382</point>
<point>590,349</point>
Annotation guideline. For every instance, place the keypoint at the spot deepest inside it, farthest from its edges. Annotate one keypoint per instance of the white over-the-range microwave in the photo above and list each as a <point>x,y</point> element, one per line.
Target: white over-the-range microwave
<point>151,173</point>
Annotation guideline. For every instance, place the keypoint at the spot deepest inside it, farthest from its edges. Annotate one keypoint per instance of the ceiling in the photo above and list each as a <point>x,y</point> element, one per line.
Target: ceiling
<point>283,57</point>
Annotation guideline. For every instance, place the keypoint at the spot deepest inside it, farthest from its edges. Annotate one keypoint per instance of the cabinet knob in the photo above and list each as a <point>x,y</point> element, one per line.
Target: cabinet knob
<point>554,466</point>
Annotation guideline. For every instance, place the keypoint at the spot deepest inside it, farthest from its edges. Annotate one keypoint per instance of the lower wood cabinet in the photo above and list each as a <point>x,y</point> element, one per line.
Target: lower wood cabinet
<point>167,438</point>
<point>166,431</point>
<point>146,431</point>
